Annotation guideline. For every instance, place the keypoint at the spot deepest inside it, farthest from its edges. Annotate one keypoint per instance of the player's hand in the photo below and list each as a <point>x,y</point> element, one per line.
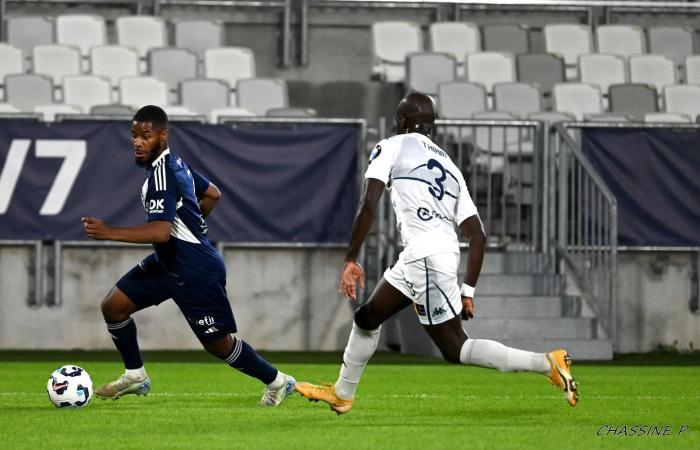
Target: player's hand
<point>96,228</point>
<point>351,274</point>
<point>467,308</point>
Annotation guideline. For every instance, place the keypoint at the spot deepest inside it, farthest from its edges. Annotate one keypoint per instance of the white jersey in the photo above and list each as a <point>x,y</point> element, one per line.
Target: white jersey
<point>428,193</point>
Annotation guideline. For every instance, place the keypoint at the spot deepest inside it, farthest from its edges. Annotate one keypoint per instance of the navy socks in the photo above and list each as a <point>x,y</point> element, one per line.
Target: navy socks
<point>124,338</point>
<point>244,358</point>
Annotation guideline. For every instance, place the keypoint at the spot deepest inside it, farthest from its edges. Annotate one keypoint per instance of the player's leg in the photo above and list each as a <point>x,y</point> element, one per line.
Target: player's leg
<point>209,314</point>
<point>385,301</point>
<point>144,285</point>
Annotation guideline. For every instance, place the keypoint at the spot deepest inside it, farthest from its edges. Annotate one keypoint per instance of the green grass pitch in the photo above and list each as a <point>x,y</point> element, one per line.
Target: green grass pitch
<point>403,403</point>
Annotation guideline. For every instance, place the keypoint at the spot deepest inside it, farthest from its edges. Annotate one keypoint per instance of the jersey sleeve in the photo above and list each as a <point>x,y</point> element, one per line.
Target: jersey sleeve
<point>465,207</point>
<point>201,184</point>
<point>161,198</point>
<point>381,161</point>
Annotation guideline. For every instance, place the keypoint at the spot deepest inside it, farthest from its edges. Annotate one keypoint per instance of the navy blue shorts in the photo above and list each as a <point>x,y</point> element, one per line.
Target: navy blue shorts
<point>205,306</point>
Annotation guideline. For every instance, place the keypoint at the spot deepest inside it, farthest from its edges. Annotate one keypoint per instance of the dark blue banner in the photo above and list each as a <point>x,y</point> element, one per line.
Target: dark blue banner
<point>280,183</point>
<point>655,176</point>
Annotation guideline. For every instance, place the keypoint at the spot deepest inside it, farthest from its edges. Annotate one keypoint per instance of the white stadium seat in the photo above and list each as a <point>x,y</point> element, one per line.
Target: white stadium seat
<point>456,38</point>
<point>229,64</point>
<point>391,42</point>
<point>662,117</point>
<point>623,40</point>
<point>656,70</point>
<point>57,61</point>
<point>140,91</point>
<point>141,32</point>
<point>602,70</point>
<point>80,30</point>
<point>217,114</point>
<point>49,112</point>
<point>26,91</point>
<point>258,95</point>
<point>198,35</point>
<point>11,61</point>
<point>519,99</point>
<point>570,41</point>
<point>114,62</point>
<point>692,69</point>
<point>489,68</point>
<point>578,99</point>
<point>86,91</point>
<point>683,99</point>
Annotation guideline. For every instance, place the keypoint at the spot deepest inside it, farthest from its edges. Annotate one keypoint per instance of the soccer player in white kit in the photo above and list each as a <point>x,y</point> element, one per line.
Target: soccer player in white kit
<point>430,197</point>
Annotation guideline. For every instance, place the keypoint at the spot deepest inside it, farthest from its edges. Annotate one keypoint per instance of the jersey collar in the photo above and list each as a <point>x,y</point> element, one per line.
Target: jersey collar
<point>160,157</point>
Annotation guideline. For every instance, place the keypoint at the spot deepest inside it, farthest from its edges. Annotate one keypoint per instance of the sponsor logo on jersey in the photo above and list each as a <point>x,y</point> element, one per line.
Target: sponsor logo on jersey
<point>425,214</point>
<point>375,153</point>
<point>156,206</point>
<point>420,309</point>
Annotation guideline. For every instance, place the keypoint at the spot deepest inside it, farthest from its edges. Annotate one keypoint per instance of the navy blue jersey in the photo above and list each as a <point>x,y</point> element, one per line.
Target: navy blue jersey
<point>171,192</point>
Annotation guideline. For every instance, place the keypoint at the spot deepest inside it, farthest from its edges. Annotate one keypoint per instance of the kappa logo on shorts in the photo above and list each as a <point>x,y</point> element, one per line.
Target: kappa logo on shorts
<point>420,309</point>
<point>438,311</point>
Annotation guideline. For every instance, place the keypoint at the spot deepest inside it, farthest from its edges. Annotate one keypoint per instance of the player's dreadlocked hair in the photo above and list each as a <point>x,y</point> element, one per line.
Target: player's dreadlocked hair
<point>152,114</point>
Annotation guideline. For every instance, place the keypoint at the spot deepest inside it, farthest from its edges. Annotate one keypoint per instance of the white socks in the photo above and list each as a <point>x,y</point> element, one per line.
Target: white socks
<point>492,354</point>
<point>360,348</point>
<point>136,374</point>
<point>278,381</point>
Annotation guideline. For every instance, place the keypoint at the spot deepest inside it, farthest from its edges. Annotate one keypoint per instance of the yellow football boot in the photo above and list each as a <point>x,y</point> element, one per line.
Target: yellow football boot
<point>325,393</point>
<point>560,375</point>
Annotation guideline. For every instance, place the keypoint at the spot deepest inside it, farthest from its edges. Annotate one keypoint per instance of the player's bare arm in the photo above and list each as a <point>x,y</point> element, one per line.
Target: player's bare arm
<point>154,232</point>
<point>208,201</point>
<point>352,272</point>
<point>473,230</point>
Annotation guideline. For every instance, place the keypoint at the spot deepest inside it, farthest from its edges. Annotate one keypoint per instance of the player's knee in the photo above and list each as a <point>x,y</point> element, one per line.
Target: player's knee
<point>364,320</point>
<point>220,348</point>
<point>116,307</point>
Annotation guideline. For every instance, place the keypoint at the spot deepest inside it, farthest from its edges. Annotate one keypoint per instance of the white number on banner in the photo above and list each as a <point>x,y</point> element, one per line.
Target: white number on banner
<point>72,151</point>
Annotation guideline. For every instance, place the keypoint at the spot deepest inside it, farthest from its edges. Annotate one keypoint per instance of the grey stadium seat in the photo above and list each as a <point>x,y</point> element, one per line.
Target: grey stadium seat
<point>202,95</point>
<point>542,69</point>
<point>258,95</point>
<point>519,99</point>
<point>426,70</point>
<point>198,35</point>
<point>460,99</point>
<point>113,109</point>
<point>291,112</point>
<point>510,38</point>
<point>673,42</point>
<point>27,91</point>
<point>172,65</point>
<point>635,99</point>
<point>26,32</point>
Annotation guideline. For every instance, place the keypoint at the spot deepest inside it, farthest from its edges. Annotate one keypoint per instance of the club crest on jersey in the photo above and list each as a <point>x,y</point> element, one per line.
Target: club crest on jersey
<point>156,206</point>
<point>375,153</point>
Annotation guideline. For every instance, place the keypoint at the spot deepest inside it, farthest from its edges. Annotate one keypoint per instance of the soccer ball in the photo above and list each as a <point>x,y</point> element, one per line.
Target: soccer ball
<point>69,387</point>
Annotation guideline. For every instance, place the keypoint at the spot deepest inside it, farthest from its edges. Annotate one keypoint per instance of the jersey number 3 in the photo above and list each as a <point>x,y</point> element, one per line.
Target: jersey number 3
<point>440,191</point>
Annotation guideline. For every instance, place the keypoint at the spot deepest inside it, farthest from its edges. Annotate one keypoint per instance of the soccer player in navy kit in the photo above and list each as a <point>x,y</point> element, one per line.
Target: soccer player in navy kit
<point>184,267</point>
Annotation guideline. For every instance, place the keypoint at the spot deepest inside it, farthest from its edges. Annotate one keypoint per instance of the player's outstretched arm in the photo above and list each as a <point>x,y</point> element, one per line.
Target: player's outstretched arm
<point>352,272</point>
<point>208,201</point>
<point>154,232</point>
<point>473,230</point>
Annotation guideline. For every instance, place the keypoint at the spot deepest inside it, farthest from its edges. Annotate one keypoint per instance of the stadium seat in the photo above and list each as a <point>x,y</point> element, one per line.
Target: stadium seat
<point>508,38</point>
<point>656,70</point>
<point>456,38</point>
<point>692,69</point>
<point>198,35</point>
<point>633,99</point>
<point>492,142</point>
<point>489,68</point>
<point>82,31</point>
<point>258,95</point>
<point>662,117</point>
<point>623,40</point>
<point>577,99</point>
<point>26,32</point>
<point>112,109</point>
<point>49,112</point>
<point>519,99</point>
<point>172,65</point>
<point>683,99</point>
<point>141,32</point>
<point>391,43</point>
<point>114,62</point>
<point>11,61</point>
<point>570,41</point>
<point>140,91</point>
<point>26,91</point>
<point>292,112</point>
<point>460,99</point>
<point>6,108</point>
<point>86,91</point>
<point>602,70</point>
<point>179,110</point>
<point>552,117</point>
<point>425,70</point>
<point>229,64</point>
<point>607,117</point>
<point>217,114</point>
<point>57,61</point>
<point>543,69</point>
<point>673,42</point>
<point>202,95</point>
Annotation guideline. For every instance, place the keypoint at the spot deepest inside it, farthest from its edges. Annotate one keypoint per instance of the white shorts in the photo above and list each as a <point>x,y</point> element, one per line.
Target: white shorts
<point>431,283</point>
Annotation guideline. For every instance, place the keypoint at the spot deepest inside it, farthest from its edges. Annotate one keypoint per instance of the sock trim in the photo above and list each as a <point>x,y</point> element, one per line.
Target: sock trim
<point>119,325</point>
<point>235,352</point>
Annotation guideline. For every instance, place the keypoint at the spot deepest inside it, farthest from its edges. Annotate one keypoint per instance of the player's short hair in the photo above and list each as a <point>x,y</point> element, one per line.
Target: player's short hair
<point>152,114</point>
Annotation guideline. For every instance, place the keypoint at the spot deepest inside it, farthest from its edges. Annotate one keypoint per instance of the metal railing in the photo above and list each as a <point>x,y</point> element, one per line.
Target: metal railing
<point>586,237</point>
